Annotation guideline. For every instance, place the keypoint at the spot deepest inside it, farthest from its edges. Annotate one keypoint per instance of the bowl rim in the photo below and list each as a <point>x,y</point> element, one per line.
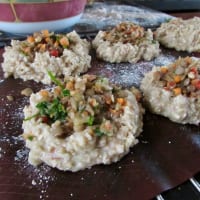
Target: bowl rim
<point>27,28</point>
<point>33,2</point>
<point>34,12</point>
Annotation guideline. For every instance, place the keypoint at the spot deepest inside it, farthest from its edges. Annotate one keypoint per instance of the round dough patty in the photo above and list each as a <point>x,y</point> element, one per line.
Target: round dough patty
<point>174,90</point>
<point>182,35</point>
<point>31,59</point>
<point>84,122</point>
<point>126,42</point>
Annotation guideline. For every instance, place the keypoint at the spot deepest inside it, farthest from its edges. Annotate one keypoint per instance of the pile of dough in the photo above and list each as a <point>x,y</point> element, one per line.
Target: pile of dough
<point>81,123</point>
<point>31,59</point>
<point>174,90</point>
<point>126,42</point>
<point>182,35</point>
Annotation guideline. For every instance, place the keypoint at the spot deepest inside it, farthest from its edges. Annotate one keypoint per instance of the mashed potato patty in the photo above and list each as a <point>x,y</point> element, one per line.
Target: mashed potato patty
<point>63,54</point>
<point>82,122</point>
<point>174,90</point>
<point>180,34</point>
<point>126,42</point>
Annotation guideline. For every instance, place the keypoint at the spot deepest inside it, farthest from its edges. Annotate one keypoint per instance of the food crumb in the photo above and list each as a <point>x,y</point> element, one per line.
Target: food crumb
<point>71,194</point>
<point>144,142</point>
<point>27,92</point>
<point>33,182</point>
<point>10,98</point>
<point>1,152</point>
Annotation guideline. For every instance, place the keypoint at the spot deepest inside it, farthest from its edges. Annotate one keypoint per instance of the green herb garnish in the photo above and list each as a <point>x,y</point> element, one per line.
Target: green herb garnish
<point>43,108</point>
<point>24,53</point>
<point>55,80</point>
<point>30,138</point>
<point>54,110</point>
<point>98,132</point>
<point>90,120</point>
<point>31,117</point>
<point>65,92</point>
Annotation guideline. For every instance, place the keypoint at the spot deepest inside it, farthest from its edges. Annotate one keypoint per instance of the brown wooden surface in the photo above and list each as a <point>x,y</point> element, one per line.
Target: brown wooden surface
<point>167,155</point>
<point>185,15</point>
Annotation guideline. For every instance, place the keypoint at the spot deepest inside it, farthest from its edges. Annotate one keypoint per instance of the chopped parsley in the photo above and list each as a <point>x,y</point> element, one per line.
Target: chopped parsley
<point>99,133</point>
<point>55,80</point>
<point>54,110</point>
<point>30,138</point>
<point>31,117</point>
<point>90,120</point>
<point>65,92</point>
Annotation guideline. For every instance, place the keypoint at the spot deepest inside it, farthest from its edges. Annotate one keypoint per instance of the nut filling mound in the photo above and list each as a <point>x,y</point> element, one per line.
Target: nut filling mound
<point>174,90</point>
<point>126,42</point>
<point>182,35</point>
<point>30,59</point>
<point>82,122</point>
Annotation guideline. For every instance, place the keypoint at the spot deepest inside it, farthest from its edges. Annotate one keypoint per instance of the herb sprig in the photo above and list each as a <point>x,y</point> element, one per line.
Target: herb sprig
<point>99,133</point>
<point>53,110</point>
<point>65,92</point>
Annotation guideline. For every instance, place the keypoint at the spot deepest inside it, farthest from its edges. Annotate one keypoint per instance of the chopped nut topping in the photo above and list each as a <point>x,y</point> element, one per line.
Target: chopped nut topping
<point>125,32</point>
<point>181,77</point>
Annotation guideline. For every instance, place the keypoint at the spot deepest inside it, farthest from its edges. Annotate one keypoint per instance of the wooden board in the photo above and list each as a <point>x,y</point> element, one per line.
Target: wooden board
<point>167,155</point>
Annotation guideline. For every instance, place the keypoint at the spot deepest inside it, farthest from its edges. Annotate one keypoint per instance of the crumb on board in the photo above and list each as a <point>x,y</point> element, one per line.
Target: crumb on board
<point>27,92</point>
<point>10,98</point>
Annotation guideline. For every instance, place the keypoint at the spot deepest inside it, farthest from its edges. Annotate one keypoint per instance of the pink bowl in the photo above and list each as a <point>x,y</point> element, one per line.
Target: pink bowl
<point>29,17</point>
<point>34,12</point>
